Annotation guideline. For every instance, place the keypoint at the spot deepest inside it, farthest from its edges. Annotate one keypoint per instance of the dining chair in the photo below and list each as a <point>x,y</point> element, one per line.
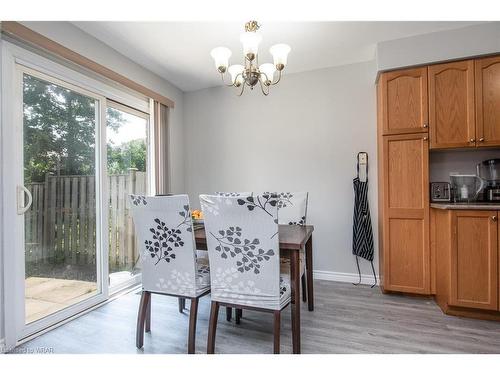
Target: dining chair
<point>200,257</point>
<point>243,249</point>
<point>165,240</point>
<point>292,210</point>
<point>240,194</point>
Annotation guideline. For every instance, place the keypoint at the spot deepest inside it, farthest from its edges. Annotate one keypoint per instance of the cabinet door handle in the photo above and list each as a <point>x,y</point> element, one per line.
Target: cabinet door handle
<point>472,140</point>
<point>481,139</point>
<point>425,138</point>
<point>425,126</point>
<point>494,218</point>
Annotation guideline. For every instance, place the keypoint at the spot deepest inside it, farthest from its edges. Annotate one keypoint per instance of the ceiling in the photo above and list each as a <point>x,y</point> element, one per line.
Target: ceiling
<point>180,51</point>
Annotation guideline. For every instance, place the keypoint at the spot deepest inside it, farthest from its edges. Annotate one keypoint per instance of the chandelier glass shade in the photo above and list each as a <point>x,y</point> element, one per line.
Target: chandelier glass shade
<point>251,73</point>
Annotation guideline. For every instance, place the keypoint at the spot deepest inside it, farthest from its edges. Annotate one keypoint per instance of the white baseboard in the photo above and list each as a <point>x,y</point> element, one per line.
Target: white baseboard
<point>344,277</point>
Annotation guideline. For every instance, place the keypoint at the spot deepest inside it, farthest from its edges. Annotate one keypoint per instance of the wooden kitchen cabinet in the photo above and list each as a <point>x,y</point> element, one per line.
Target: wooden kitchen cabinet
<point>487,83</point>
<point>451,105</point>
<point>465,247</point>
<point>474,259</point>
<point>405,265</point>
<point>403,101</point>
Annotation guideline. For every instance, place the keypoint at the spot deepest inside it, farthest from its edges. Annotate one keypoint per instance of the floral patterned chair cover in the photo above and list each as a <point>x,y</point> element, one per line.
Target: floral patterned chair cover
<point>243,248</point>
<point>292,209</point>
<point>166,242</point>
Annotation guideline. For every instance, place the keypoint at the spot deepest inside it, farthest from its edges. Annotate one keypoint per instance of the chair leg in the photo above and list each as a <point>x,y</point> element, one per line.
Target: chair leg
<point>193,312</point>
<point>229,313</point>
<point>212,327</point>
<point>239,314</point>
<point>277,326</point>
<point>182,304</point>
<point>148,315</point>
<point>304,289</point>
<point>141,317</point>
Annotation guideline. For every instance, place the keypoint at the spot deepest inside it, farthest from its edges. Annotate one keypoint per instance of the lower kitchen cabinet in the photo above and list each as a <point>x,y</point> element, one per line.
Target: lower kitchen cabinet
<point>474,260</point>
<point>465,244</point>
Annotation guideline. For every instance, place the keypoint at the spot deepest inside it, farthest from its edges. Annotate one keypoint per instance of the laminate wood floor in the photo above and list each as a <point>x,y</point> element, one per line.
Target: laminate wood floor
<point>347,319</point>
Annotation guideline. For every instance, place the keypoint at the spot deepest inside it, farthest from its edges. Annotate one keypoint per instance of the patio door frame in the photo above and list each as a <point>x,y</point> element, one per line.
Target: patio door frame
<point>15,62</point>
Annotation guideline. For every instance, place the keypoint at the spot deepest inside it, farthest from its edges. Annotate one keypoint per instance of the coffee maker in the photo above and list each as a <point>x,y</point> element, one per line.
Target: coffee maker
<point>489,171</point>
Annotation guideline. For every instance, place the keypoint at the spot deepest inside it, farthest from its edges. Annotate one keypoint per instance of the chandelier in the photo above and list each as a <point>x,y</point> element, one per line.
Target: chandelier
<point>250,73</point>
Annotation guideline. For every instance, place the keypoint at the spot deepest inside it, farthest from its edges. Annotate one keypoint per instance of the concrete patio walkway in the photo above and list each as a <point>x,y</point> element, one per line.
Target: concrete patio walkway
<point>45,296</point>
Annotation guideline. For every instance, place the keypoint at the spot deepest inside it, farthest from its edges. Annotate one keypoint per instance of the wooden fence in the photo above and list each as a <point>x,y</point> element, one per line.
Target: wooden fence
<point>60,225</point>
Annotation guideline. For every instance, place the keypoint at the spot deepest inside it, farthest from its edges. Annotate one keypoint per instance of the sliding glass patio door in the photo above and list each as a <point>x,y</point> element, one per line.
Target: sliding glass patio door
<point>60,199</point>
<point>72,149</point>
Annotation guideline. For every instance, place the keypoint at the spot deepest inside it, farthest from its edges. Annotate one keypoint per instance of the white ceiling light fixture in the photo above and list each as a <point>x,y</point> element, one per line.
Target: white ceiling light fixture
<point>250,73</point>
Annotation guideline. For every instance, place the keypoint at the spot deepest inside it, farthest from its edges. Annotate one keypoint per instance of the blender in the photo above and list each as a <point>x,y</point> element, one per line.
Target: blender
<point>489,171</point>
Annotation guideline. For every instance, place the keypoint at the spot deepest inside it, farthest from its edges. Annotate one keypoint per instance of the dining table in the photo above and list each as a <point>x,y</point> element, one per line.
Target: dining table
<point>292,240</point>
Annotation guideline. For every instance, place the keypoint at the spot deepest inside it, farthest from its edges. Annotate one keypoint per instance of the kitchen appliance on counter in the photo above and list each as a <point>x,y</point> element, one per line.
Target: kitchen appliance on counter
<point>440,192</point>
<point>466,187</point>
<point>489,171</point>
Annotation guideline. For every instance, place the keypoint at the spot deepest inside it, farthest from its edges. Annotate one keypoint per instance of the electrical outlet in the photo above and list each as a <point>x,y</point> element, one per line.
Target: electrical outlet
<point>363,158</point>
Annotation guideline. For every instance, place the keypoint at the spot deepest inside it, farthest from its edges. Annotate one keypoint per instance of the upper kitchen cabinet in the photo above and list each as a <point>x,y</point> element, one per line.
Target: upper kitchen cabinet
<point>451,105</point>
<point>488,101</point>
<point>403,100</point>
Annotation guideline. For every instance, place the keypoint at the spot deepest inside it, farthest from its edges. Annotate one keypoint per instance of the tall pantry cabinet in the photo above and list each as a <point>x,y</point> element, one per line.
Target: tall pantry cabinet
<point>402,99</point>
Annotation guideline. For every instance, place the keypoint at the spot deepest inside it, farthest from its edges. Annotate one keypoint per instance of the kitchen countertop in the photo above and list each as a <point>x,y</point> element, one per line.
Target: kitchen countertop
<point>466,206</point>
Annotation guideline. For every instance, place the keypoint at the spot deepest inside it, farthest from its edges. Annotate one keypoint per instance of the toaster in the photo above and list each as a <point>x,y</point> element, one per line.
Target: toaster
<point>440,192</point>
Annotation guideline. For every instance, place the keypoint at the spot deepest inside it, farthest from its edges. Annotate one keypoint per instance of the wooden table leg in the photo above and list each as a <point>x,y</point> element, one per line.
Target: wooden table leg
<point>309,270</point>
<point>295,306</point>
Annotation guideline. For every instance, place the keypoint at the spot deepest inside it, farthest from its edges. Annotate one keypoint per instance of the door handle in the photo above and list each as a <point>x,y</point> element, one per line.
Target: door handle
<point>494,218</point>
<point>20,191</point>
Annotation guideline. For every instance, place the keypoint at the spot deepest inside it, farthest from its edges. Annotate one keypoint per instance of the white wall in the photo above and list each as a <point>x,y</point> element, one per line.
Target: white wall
<point>72,37</point>
<point>303,137</point>
<point>439,46</point>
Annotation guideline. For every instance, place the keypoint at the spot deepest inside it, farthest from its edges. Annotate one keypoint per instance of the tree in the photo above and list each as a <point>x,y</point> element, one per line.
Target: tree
<point>128,155</point>
<point>59,130</point>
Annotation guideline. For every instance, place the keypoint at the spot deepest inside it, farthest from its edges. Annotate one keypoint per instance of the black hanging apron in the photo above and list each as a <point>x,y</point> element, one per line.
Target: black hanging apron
<point>362,234</point>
